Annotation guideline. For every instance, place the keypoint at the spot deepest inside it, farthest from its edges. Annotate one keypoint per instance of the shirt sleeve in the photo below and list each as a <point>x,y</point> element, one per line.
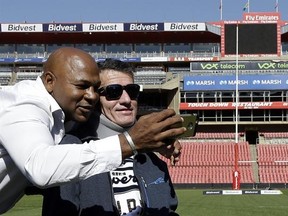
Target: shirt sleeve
<point>54,165</point>
<point>25,133</point>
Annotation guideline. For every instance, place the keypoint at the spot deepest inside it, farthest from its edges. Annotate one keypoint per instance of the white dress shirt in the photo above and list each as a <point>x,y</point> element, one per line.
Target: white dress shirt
<point>31,127</point>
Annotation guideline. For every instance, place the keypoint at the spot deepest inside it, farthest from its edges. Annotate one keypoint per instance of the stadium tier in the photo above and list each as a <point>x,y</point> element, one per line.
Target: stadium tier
<point>232,74</point>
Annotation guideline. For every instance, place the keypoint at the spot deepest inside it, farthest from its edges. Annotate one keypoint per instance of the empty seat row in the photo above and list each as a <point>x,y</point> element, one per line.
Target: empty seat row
<point>274,134</point>
<point>211,162</point>
<point>273,163</point>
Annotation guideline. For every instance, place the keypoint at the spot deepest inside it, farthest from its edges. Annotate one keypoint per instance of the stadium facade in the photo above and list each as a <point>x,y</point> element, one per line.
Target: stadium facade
<point>208,68</point>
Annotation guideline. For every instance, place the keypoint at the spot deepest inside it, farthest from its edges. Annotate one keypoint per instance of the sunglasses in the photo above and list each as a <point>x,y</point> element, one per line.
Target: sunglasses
<point>114,91</point>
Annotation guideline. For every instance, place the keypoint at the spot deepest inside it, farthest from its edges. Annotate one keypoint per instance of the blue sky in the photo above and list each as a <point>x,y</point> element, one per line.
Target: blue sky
<point>40,11</point>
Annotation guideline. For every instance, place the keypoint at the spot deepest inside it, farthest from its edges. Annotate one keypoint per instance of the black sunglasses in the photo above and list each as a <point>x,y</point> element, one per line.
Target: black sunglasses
<point>114,91</point>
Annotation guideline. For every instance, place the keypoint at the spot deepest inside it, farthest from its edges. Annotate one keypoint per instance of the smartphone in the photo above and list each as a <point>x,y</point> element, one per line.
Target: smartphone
<point>191,123</point>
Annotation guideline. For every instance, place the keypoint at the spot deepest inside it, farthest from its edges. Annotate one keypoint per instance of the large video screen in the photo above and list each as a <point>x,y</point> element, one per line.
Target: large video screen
<point>252,39</point>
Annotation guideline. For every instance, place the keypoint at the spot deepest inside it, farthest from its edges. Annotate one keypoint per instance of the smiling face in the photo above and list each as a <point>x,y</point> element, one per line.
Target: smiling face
<point>122,111</point>
<point>72,78</point>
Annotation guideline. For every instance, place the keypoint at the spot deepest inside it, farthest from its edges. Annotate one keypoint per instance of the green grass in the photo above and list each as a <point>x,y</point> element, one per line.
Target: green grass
<point>193,202</point>
<point>28,206</point>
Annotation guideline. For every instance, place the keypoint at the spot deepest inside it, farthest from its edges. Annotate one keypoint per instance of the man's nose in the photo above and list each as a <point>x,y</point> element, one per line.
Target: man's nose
<point>91,93</point>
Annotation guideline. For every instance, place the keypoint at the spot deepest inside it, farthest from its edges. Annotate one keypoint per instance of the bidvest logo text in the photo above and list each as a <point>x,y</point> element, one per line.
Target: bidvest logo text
<point>143,26</point>
<point>184,26</point>
<point>59,27</point>
<point>102,27</point>
<point>21,27</point>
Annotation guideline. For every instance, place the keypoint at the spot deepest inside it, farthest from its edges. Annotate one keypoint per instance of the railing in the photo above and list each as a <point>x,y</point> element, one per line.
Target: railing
<point>117,55</point>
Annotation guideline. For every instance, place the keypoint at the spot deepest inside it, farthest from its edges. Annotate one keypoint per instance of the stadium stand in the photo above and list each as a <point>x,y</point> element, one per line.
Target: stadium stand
<point>150,76</point>
<point>216,135</point>
<point>5,78</point>
<point>273,163</point>
<point>26,76</point>
<point>211,162</point>
<point>5,75</point>
<point>192,71</point>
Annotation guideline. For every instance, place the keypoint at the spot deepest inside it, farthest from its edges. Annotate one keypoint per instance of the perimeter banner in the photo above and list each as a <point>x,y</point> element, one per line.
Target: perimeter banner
<point>21,27</point>
<point>228,82</point>
<point>232,105</point>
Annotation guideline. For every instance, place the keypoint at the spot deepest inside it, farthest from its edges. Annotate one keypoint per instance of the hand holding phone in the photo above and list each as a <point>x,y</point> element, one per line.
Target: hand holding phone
<point>190,122</point>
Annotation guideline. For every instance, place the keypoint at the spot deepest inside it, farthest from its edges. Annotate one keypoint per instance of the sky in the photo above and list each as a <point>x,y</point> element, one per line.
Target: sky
<point>71,11</point>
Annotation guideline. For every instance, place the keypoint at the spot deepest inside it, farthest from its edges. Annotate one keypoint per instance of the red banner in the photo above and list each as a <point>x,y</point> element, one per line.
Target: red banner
<point>232,105</point>
<point>189,59</point>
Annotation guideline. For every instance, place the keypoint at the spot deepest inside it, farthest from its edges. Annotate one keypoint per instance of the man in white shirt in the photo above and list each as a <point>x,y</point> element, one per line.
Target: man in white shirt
<point>32,117</point>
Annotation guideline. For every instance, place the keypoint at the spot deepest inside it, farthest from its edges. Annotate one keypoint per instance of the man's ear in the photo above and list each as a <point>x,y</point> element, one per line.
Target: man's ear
<point>49,80</point>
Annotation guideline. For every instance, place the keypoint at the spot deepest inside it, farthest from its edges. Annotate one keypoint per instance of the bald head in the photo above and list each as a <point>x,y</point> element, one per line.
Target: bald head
<point>66,57</point>
<point>71,76</point>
